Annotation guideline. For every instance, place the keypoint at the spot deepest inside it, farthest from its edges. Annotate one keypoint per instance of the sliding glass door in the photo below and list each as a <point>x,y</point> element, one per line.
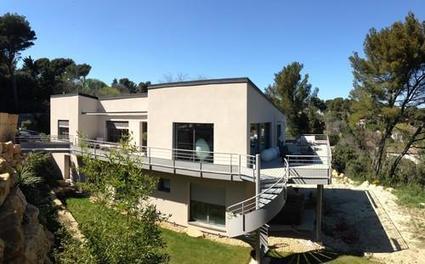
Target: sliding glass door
<point>194,141</point>
<point>259,135</point>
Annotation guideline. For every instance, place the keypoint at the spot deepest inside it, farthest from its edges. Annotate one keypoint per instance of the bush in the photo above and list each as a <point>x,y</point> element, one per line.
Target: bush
<point>359,168</point>
<point>333,139</point>
<point>342,154</point>
<point>71,251</point>
<point>120,183</point>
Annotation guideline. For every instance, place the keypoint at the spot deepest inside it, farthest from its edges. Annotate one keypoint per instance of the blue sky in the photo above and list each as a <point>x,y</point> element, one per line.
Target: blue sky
<point>144,40</point>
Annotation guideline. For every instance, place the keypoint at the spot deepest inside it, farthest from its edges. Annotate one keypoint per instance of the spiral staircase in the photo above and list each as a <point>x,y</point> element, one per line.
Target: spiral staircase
<point>247,220</point>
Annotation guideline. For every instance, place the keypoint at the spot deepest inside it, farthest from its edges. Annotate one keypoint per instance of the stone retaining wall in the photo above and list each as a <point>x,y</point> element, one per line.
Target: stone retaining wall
<point>22,238</point>
<point>8,126</point>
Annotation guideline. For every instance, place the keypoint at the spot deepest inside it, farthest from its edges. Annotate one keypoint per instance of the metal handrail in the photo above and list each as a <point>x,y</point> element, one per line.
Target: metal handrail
<point>246,206</point>
<point>236,163</point>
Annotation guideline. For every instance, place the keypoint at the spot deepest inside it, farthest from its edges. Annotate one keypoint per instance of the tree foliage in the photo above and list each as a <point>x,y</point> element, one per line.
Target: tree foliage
<point>293,94</point>
<point>119,182</point>
<point>389,80</point>
<point>16,35</point>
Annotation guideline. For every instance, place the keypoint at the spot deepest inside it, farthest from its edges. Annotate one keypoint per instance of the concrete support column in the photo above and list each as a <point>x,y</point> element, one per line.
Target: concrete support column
<point>319,204</point>
<point>257,179</point>
<point>258,256</point>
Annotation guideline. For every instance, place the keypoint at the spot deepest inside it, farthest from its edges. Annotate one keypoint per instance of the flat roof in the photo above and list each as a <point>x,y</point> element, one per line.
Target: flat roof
<point>74,94</point>
<point>180,84</point>
<point>200,82</point>
<point>214,81</point>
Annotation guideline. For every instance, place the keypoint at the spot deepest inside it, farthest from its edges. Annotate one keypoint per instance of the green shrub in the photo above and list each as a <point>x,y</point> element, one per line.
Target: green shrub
<point>120,183</point>
<point>359,168</point>
<point>333,139</point>
<point>70,250</point>
<point>342,154</point>
<point>411,194</point>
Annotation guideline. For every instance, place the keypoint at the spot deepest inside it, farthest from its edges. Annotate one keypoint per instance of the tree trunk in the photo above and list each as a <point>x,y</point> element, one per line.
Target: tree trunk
<point>381,150</point>
<point>397,160</point>
<point>13,85</point>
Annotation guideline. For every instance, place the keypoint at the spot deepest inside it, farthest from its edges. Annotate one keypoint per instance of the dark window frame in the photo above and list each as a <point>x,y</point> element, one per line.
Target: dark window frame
<point>191,146</point>
<point>162,187</point>
<point>114,133</point>
<point>63,127</point>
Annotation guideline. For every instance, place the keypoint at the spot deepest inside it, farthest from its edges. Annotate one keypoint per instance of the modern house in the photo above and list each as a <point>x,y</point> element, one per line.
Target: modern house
<point>215,145</point>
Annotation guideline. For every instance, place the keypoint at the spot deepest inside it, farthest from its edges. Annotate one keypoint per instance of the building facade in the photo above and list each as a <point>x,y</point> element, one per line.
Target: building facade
<point>200,139</point>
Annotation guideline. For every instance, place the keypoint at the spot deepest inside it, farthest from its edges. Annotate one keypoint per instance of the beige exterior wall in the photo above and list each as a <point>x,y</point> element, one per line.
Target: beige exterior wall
<point>261,110</point>
<point>124,104</point>
<point>88,126</point>
<point>224,105</point>
<point>175,204</point>
<point>64,108</point>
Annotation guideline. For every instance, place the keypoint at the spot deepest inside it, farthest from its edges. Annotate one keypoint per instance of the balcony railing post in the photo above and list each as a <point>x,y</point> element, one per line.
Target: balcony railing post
<point>239,165</point>
<point>149,158</point>
<point>231,170</point>
<point>257,180</point>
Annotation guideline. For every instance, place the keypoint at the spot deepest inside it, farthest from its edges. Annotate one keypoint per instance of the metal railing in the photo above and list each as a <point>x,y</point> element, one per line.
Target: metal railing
<point>251,204</point>
<point>314,143</point>
<point>182,159</point>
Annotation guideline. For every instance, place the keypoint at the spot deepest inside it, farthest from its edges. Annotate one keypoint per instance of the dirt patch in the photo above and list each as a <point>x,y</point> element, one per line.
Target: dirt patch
<point>367,218</point>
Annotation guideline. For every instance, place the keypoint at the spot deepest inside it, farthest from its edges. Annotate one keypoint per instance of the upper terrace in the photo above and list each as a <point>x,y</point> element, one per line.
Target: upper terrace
<point>309,159</point>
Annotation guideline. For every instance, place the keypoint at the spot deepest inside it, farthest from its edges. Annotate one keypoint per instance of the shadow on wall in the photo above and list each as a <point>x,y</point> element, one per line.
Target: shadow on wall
<point>353,221</point>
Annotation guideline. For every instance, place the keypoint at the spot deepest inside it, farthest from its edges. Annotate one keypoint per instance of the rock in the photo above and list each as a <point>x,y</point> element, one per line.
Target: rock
<point>3,164</point>
<point>2,245</point>
<point>14,239</point>
<point>194,232</point>
<point>37,243</point>
<point>5,181</point>
<point>31,214</point>
<point>16,149</point>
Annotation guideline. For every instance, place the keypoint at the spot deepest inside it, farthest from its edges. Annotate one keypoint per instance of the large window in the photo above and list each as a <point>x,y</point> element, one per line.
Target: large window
<point>194,142</point>
<point>116,130</point>
<point>144,140</point>
<point>259,135</point>
<point>207,205</point>
<point>63,129</point>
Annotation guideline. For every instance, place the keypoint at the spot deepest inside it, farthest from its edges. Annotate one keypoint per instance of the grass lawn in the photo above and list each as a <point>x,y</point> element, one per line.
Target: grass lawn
<point>180,247</point>
<point>184,249</point>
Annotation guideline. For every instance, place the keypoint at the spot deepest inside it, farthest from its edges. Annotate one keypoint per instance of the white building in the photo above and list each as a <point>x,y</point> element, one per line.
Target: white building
<point>201,139</point>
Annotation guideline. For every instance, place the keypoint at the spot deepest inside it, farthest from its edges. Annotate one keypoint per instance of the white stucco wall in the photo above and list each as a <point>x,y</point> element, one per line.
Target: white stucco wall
<point>64,108</point>
<point>136,103</point>
<point>261,110</point>
<point>175,204</point>
<point>224,105</point>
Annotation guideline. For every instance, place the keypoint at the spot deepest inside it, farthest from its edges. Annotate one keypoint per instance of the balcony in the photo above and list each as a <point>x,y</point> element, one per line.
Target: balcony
<point>309,159</point>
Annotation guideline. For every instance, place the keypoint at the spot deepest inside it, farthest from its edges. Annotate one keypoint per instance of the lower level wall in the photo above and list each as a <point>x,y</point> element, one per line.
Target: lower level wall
<point>175,205</point>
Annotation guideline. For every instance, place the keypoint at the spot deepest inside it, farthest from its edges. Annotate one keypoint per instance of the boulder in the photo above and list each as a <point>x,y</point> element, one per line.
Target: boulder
<point>3,164</point>
<point>37,243</point>
<point>2,245</point>
<point>5,184</point>
<point>16,149</point>
<point>194,232</point>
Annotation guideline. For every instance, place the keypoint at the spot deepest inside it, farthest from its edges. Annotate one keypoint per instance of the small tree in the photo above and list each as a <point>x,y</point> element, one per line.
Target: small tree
<point>118,181</point>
